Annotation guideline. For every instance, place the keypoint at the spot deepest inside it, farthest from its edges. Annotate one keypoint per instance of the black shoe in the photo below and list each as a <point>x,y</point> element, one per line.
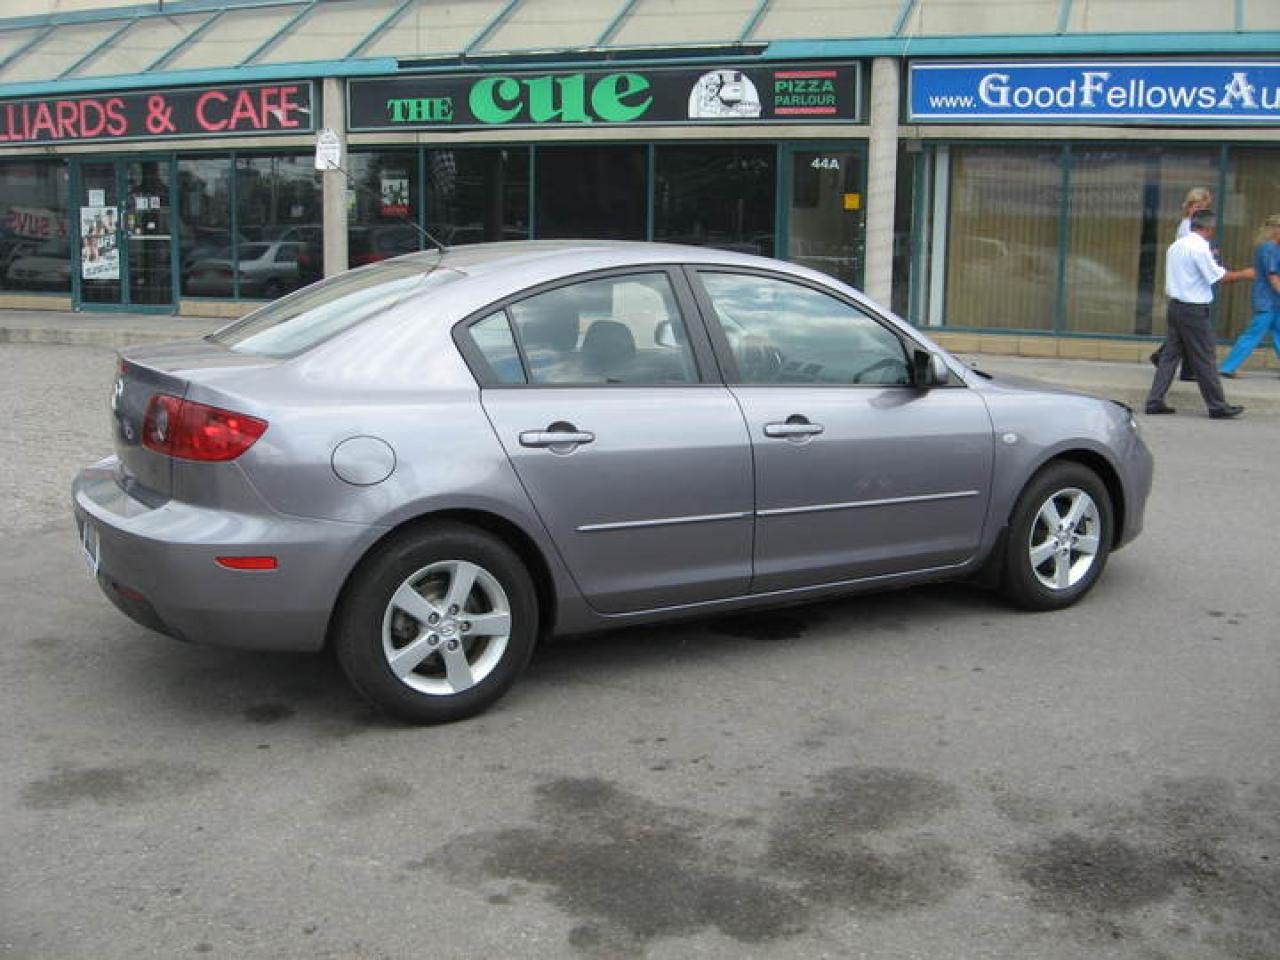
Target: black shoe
<point>1162,408</point>
<point>1226,413</point>
<point>1155,359</point>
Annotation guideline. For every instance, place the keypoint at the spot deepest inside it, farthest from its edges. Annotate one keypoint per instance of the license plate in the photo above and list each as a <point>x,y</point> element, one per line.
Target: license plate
<point>89,547</point>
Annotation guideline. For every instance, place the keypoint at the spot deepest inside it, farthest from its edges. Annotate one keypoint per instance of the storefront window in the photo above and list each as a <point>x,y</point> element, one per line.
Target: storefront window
<point>35,249</point>
<point>595,192</point>
<point>1001,246</point>
<point>1124,205</point>
<point>204,228</point>
<point>1252,195</point>
<point>716,196</point>
<point>383,206</point>
<point>478,194</point>
<point>278,210</point>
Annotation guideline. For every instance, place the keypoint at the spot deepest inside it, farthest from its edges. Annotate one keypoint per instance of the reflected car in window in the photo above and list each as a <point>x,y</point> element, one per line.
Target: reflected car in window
<point>435,462</point>
<point>265,271</point>
<point>40,266</point>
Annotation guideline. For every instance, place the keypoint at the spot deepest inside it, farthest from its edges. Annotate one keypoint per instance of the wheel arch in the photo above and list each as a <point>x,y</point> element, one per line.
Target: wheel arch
<point>497,526</point>
<point>1106,472</point>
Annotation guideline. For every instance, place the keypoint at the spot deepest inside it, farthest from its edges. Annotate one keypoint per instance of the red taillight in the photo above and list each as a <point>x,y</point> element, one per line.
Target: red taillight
<point>197,431</point>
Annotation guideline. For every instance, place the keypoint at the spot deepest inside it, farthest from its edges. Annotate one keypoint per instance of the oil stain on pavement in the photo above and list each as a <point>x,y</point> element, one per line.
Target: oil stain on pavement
<point>121,785</point>
<point>631,870</point>
<point>1198,858</point>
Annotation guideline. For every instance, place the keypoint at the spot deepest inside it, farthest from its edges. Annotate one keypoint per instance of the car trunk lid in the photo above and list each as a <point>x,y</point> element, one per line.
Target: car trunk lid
<point>143,373</point>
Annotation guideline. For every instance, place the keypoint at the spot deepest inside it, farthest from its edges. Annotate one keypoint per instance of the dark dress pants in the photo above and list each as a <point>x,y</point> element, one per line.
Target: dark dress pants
<point>1191,338</point>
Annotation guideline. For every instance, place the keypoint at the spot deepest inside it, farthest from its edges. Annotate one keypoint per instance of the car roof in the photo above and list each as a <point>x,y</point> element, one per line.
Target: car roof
<point>565,257</point>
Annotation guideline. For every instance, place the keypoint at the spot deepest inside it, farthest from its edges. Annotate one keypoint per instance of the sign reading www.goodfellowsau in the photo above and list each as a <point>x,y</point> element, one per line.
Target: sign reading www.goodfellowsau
<point>1121,91</point>
<point>630,96</point>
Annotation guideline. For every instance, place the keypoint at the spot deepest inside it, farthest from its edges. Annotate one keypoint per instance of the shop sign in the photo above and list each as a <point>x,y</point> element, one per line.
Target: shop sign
<point>630,97</point>
<point>1096,91</point>
<point>221,111</point>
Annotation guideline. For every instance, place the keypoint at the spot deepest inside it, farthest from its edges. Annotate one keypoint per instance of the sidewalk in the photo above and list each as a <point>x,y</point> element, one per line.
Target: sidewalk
<point>1258,390</point>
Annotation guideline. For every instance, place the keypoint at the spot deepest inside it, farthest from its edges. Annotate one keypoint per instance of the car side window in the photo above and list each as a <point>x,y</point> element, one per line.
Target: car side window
<point>784,332</point>
<point>492,336</point>
<point>624,330</point>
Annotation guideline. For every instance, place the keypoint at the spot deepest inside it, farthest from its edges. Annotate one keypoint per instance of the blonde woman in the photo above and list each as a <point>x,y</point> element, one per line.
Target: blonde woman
<point>1266,298</point>
<point>1197,198</point>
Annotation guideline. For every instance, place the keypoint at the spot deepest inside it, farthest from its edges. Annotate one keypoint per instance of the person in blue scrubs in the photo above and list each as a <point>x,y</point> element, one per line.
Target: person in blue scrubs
<point>1266,298</point>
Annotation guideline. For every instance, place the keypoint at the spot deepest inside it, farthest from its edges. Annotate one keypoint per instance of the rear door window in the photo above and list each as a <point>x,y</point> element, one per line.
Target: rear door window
<point>612,330</point>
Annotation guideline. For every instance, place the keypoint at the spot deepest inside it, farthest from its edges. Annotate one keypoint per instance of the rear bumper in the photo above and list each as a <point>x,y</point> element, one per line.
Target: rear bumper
<point>157,564</point>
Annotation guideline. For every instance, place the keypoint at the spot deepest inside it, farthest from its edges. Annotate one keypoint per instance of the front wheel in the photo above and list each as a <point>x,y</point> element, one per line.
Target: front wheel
<point>1059,537</point>
<point>437,624</point>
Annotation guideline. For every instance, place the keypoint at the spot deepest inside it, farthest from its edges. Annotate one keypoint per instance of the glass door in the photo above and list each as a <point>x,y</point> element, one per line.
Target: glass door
<point>126,240</point>
<point>825,226</point>
<point>147,221</point>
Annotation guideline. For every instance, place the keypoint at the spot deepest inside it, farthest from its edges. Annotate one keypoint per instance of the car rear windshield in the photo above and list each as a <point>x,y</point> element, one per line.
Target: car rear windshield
<point>301,320</point>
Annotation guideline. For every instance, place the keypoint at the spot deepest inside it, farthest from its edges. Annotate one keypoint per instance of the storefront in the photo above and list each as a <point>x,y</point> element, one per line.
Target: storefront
<point>1007,176</point>
<point>1026,223</point>
<point>764,160</point>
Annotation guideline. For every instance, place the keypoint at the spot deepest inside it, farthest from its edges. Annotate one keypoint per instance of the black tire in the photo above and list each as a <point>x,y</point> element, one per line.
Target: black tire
<point>432,561</point>
<point>1046,586</point>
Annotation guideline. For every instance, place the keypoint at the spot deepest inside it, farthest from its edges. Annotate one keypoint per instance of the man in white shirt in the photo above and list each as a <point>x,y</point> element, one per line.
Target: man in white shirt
<point>1190,273</point>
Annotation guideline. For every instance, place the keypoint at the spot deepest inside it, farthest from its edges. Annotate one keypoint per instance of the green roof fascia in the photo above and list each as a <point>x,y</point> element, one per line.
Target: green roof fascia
<point>1064,16</point>
<point>753,20</point>
<point>380,28</point>
<point>37,38</point>
<point>289,24</point>
<point>97,48</point>
<point>616,23</point>
<point>191,78</point>
<point>491,27</point>
<point>1256,43</point>
<point>136,12</point>
<point>903,13</point>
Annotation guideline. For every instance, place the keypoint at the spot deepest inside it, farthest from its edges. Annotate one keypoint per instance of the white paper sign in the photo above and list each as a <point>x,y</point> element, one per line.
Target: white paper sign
<point>97,198</point>
<point>328,150</point>
<point>99,250</point>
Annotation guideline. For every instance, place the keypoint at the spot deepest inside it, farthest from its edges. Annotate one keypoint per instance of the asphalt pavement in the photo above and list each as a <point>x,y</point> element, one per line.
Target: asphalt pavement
<point>921,774</point>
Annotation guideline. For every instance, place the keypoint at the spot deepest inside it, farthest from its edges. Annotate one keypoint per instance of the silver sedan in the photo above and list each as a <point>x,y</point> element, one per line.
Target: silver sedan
<point>431,463</point>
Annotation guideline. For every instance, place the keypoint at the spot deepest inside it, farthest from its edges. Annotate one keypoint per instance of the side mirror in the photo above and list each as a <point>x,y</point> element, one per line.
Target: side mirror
<point>929,369</point>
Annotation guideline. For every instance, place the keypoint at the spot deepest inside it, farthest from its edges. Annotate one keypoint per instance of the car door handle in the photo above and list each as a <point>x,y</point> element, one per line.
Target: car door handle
<point>555,438</point>
<point>793,428</point>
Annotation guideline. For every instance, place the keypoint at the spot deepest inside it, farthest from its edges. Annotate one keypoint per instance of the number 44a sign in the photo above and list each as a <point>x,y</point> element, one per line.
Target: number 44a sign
<point>825,163</point>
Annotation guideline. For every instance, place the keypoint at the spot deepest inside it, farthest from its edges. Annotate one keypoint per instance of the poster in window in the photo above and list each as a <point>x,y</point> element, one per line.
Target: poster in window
<point>395,193</point>
<point>99,248</point>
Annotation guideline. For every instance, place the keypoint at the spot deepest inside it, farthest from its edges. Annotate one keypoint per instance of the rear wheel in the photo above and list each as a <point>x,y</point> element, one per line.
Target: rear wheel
<point>437,624</point>
<point>1059,538</point>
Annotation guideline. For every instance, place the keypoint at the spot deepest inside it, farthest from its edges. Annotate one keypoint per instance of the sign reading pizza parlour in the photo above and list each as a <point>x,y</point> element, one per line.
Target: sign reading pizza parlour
<point>626,96</point>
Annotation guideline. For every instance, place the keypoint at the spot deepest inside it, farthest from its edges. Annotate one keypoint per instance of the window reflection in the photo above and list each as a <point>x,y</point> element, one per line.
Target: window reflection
<point>35,249</point>
<point>478,195</point>
<point>716,196</point>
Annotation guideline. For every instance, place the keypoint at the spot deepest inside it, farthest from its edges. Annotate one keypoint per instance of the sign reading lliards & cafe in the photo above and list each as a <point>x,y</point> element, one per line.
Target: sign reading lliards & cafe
<point>623,96</point>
